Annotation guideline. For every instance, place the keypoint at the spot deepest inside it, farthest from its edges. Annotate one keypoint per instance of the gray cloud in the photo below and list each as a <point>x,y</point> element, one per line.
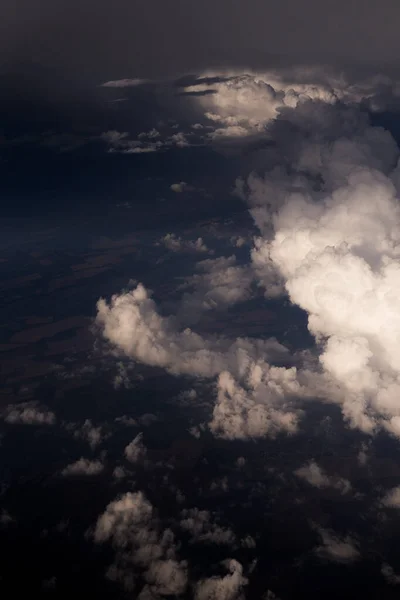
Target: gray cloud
<point>228,587</point>
<point>83,466</point>
<point>28,414</point>
<point>336,549</point>
<point>316,476</point>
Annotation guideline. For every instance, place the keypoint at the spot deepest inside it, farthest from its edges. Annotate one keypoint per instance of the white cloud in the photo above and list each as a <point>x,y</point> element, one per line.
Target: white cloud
<point>229,587</point>
<point>335,251</point>
<point>131,323</point>
<point>363,455</point>
<point>131,525</point>
<point>180,140</point>
<point>245,104</point>
<point>92,434</point>
<point>316,476</point>
<point>341,550</point>
<point>329,223</point>
<point>261,409</point>
<point>28,414</point>
<point>177,244</point>
<point>136,451</point>
<point>392,498</point>
<point>167,577</point>
<point>127,421</point>
<point>179,187</point>
<point>83,466</point>
<point>198,523</point>
<point>152,134</point>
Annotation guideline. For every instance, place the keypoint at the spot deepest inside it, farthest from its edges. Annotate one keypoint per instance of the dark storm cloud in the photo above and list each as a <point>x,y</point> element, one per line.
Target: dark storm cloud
<point>100,40</point>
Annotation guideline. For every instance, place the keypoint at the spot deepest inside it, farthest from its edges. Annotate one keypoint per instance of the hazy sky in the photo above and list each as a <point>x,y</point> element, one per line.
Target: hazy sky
<point>88,39</point>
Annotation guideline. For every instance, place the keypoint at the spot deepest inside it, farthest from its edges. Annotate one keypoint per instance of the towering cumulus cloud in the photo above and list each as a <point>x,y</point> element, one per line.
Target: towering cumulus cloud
<point>330,233</point>
<point>328,214</point>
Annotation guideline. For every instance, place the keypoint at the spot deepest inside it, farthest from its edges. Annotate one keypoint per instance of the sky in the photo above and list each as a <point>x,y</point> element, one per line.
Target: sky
<point>89,40</point>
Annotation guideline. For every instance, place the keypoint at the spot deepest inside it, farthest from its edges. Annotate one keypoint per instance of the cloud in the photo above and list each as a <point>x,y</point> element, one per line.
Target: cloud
<point>219,283</point>
<point>136,451</point>
<point>124,83</point>
<point>261,409</point>
<point>5,518</point>
<point>389,575</point>
<point>166,577</point>
<point>180,140</point>
<point>132,324</point>
<point>245,104</point>
<point>83,466</point>
<point>330,241</point>
<point>93,435</point>
<point>177,244</point>
<point>392,498</point>
<point>260,406</point>
<point>198,523</point>
<point>341,550</point>
<point>229,587</point>
<point>28,414</point>
<point>179,187</point>
<point>315,476</point>
<point>328,217</point>
<point>131,525</point>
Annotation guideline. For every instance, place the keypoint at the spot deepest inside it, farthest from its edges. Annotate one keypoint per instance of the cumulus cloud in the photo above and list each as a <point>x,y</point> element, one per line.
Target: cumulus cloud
<point>141,546</point>
<point>245,104</point>
<point>262,408</point>
<point>329,238</point>
<point>177,244</point>
<point>341,550</point>
<point>392,498</point>
<point>28,414</point>
<point>219,283</point>
<point>132,324</point>
<point>136,450</point>
<point>330,241</point>
<point>83,466</point>
<point>87,431</point>
<point>316,476</point>
<point>201,528</point>
<point>259,405</point>
<point>145,142</point>
<point>228,587</point>
<point>179,187</point>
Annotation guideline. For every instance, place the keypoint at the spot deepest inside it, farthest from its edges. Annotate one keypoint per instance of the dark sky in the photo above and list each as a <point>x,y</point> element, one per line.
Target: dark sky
<point>84,40</point>
<point>54,54</point>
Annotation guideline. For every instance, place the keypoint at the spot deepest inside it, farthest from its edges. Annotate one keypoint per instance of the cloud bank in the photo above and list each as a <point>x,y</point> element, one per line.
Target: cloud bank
<point>327,210</point>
